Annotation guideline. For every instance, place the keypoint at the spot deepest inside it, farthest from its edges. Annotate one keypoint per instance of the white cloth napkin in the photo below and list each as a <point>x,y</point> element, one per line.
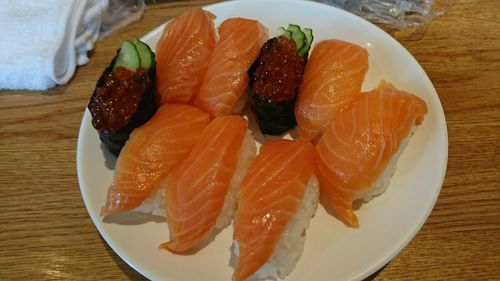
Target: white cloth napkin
<point>42,41</point>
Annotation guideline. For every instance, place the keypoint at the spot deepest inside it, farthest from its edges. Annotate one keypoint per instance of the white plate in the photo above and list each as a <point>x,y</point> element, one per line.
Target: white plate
<point>332,250</point>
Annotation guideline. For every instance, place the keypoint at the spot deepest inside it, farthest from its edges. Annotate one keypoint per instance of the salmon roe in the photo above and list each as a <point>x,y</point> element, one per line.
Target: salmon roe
<point>117,99</point>
<point>279,70</point>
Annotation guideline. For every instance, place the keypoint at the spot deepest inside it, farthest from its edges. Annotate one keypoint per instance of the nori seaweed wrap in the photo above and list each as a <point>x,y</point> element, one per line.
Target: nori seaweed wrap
<point>275,78</point>
<point>124,95</point>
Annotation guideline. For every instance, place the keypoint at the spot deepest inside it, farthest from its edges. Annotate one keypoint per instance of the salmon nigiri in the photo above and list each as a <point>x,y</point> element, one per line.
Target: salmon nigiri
<point>357,154</point>
<point>332,79</point>
<point>276,199</point>
<point>151,154</point>
<point>182,55</point>
<point>226,79</point>
<point>201,195</point>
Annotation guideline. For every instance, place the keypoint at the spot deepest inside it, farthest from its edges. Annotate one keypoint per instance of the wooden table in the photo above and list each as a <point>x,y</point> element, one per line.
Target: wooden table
<point>46,233</point>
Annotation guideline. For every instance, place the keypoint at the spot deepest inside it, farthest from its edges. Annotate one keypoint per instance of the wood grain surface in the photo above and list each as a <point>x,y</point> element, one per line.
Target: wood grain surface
<point>46,233</point>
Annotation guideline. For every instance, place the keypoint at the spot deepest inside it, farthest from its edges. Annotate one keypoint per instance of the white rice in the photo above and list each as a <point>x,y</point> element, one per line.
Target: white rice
<point>384,179</point>
<point>291,244</point>
<point>247,154</point>
<point>155,203</point>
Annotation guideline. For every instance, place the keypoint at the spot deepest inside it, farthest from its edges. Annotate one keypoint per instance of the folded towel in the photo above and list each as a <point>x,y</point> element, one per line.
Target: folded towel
<point>42,41</point>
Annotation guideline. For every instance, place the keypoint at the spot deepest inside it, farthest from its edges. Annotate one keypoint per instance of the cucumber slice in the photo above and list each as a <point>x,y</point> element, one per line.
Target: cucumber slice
<point>281,31</point>
<point>297,35</point>
<point>301,37</point>
<point>308,41</point>
<point>309,35</point>
<point>128,57</point>
<point>146,55</point>
<point>293,28</point>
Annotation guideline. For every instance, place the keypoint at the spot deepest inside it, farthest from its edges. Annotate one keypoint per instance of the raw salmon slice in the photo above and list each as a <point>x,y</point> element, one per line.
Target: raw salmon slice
<point>270,194</point>
<point>151,153</point>
<point>358,151</point>
<point>332,79</point>
<point>226,79</point>
<point>182,56</point>
<point>196,194</point>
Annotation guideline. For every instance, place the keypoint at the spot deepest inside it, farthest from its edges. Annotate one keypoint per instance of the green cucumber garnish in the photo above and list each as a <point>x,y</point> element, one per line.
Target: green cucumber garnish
<point>145,54</point>
<point>302,37</point>
<point>309,38</point>
<point>285,33</point>
<point>128,57</point>
<point>297,35</point>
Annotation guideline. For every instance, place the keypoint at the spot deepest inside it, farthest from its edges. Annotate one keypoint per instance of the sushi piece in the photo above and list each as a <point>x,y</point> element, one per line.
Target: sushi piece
<point>332,79</point>
<point>275,78</point>
<point>183,53</point>
<point>276,200</point>
<point>201,197</point>
<point>226,79</point>
<point>152,153</point>
<point>124,95</point>
<point>357,154</point>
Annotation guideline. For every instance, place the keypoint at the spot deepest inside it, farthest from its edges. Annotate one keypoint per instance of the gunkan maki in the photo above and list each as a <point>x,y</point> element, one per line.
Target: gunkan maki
<point>124,95</point>
<point>275,78</point>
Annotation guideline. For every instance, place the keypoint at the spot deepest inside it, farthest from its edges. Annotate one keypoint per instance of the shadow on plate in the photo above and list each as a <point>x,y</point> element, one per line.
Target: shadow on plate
<point>323,199</point>
<point>109,159</point>
<point>201,245</point>
<point>233,262</point>
<point>356,205</point>
<point>124,267</point>
<point>132,218</point>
